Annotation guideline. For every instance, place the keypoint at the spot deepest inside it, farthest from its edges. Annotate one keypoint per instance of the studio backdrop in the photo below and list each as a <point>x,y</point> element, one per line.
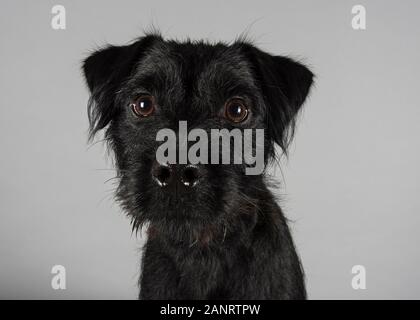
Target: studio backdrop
<point>349,186</point>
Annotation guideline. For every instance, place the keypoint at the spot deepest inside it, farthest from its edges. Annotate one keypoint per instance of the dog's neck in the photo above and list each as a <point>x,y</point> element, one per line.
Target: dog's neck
<point>208,234</point>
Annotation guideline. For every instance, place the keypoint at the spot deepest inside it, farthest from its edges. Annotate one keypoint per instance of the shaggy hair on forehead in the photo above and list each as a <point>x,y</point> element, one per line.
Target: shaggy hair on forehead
<point>224,236</point>
<point>152,52</point>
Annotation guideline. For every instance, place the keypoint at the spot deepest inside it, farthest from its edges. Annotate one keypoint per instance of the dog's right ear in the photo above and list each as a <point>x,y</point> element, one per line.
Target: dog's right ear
<point>104,71</point>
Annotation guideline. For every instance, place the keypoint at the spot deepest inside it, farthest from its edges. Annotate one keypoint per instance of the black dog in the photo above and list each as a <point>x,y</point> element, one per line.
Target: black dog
<point>213,231</point>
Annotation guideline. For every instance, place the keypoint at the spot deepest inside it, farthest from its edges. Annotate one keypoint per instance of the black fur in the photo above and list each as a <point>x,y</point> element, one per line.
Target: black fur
<point>226,238</point>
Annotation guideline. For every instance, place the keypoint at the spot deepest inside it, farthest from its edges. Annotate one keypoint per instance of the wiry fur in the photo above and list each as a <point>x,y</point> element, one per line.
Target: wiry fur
<point>227,238</point>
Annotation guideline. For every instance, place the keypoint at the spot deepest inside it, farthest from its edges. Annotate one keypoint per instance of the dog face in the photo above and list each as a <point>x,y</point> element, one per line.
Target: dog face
<point>152,84</point>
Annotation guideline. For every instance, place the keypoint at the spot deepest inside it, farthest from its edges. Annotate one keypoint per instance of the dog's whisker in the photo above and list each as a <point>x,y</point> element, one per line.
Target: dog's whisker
<point>105,140</point>
<point>113,178</point>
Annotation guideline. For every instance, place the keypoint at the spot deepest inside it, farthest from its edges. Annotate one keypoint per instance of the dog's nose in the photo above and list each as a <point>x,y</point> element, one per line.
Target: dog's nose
<point>162,174</point>
<point>165,174</point>
<point>190,175</point>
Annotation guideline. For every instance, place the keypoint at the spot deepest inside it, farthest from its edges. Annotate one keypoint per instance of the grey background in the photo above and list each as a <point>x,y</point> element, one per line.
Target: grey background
<point>351,184</point>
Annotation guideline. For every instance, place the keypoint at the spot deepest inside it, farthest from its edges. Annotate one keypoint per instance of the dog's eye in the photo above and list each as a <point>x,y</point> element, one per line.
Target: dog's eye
<point>143,106</point>
<point>236,110</point>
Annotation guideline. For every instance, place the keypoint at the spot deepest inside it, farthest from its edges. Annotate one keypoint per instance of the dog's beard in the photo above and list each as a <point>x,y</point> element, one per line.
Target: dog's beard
<point>204,215</point>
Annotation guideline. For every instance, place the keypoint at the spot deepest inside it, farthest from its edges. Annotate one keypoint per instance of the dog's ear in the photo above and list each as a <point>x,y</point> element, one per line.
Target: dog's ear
<point>104,71</point>
<point>285,84</point>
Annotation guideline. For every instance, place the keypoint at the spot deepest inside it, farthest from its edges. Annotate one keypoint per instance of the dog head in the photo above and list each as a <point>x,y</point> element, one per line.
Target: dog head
<point>152,84</point>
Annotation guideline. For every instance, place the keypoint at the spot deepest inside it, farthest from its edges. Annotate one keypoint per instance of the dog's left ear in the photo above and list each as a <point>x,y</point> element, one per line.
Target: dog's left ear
<point>285,84</point>
<point>104,71</point>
